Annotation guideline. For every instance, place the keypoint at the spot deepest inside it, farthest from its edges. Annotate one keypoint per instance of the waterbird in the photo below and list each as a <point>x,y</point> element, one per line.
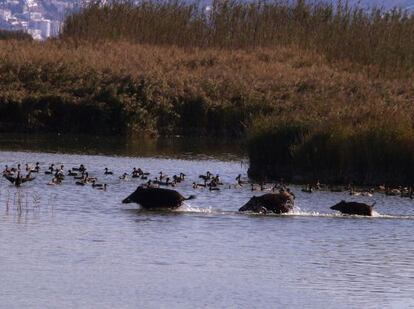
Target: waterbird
<point>50,169</point>
<point>124,176</point>
<point>72,173</point>
<point>18,180</point>
<point>108,172</point>
<point>55,181</point>
<point>94,184</point>
<point>205,177</point>
<point>307,189</point>
<point>102,188</point>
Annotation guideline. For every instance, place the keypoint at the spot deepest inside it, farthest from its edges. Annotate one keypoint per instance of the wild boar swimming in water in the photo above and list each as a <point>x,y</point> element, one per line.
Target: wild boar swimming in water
<point>354,208</point>
<point>156,198</point>
<point>272,202</point>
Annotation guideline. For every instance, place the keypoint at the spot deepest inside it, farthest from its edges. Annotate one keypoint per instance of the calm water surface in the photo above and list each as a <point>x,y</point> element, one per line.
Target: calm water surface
<point>76,247</point>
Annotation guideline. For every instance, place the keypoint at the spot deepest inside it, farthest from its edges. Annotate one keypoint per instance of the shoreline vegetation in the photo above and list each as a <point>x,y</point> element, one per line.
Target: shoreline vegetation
<point>320,92</point>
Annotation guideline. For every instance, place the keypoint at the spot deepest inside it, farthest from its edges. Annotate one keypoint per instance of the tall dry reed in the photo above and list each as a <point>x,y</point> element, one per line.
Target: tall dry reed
<point>382,41</point>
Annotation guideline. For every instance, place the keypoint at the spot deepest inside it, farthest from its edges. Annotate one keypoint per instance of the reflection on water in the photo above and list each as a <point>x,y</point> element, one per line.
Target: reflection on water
<point>74,246</point>
<point>192,148</point>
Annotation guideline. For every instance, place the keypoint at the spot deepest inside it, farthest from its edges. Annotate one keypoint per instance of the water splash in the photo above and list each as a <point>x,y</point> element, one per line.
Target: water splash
<point>188,208</point>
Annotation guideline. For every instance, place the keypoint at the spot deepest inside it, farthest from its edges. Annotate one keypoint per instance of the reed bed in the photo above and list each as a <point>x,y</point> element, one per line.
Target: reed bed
<point>382,41</point>
<point>173,90</point>
<point>121,87</point>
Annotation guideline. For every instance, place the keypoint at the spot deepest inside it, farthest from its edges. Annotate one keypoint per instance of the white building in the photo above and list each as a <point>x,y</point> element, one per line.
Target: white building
<point>35,33</point>
<point>5,14</point>
<point>55,26</point>
<point>43,25</point>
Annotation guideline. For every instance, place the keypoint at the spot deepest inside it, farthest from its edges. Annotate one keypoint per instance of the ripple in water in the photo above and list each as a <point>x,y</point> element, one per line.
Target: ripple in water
<point>72,246</point>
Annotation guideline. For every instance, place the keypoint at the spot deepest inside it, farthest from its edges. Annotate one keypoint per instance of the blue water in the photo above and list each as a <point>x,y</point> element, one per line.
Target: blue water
<point>69,246</point>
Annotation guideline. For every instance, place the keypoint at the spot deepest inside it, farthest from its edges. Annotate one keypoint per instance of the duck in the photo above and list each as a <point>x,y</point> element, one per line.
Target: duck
<point>102,188</point>
<point>205,177</point>
<point>60,171</point>
<point>393,192</point>
<point>367,193</point>
<point>108,172</point>
<point>200,185</point>
<point>179,179</point>
<point>94,184</point>
<point>55,181</point>
<point>406,192</point>
<point>381,188</point>
<point>216,180</point>
<point>18,180</point>
<point>150,184</point>
<point>353,192</point>
<point>89,179</point>
<point>29,177</point>
<point>80,176</point>
<point>307,189</point>
<point>72,173</point>
<point>124,176</point>
<point>82,168</point>
<point>167,182</point>
<point>6,170</point>
<point>241,182</point>
<point>213,187</point>
<point>135,173</point>
<point>50,169</point>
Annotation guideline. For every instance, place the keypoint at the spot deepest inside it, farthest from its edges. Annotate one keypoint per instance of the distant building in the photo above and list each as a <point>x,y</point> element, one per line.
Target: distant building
<point>43,25</point>
<point>5,14</point>
<point>35,33</point>
<point>55,26</point>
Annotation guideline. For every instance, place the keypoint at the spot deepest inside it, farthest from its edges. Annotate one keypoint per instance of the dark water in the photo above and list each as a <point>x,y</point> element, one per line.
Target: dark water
<point>69,246</point>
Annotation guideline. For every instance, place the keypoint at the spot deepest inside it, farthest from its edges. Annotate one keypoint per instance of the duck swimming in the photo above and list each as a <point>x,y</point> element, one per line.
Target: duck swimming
<point>205,177</point>
<point>98,185</point>
<point>50,169</point>
<point>307,189</point>
<point>18,180</point>
<point>108,172</point>
<point>124,176</point>
<point>102,188</point>
<point>72,173</point>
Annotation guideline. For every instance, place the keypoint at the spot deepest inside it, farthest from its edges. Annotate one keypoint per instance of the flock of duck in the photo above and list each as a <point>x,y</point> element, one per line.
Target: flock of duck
<point>398,191</point>
<point>154,192</point>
